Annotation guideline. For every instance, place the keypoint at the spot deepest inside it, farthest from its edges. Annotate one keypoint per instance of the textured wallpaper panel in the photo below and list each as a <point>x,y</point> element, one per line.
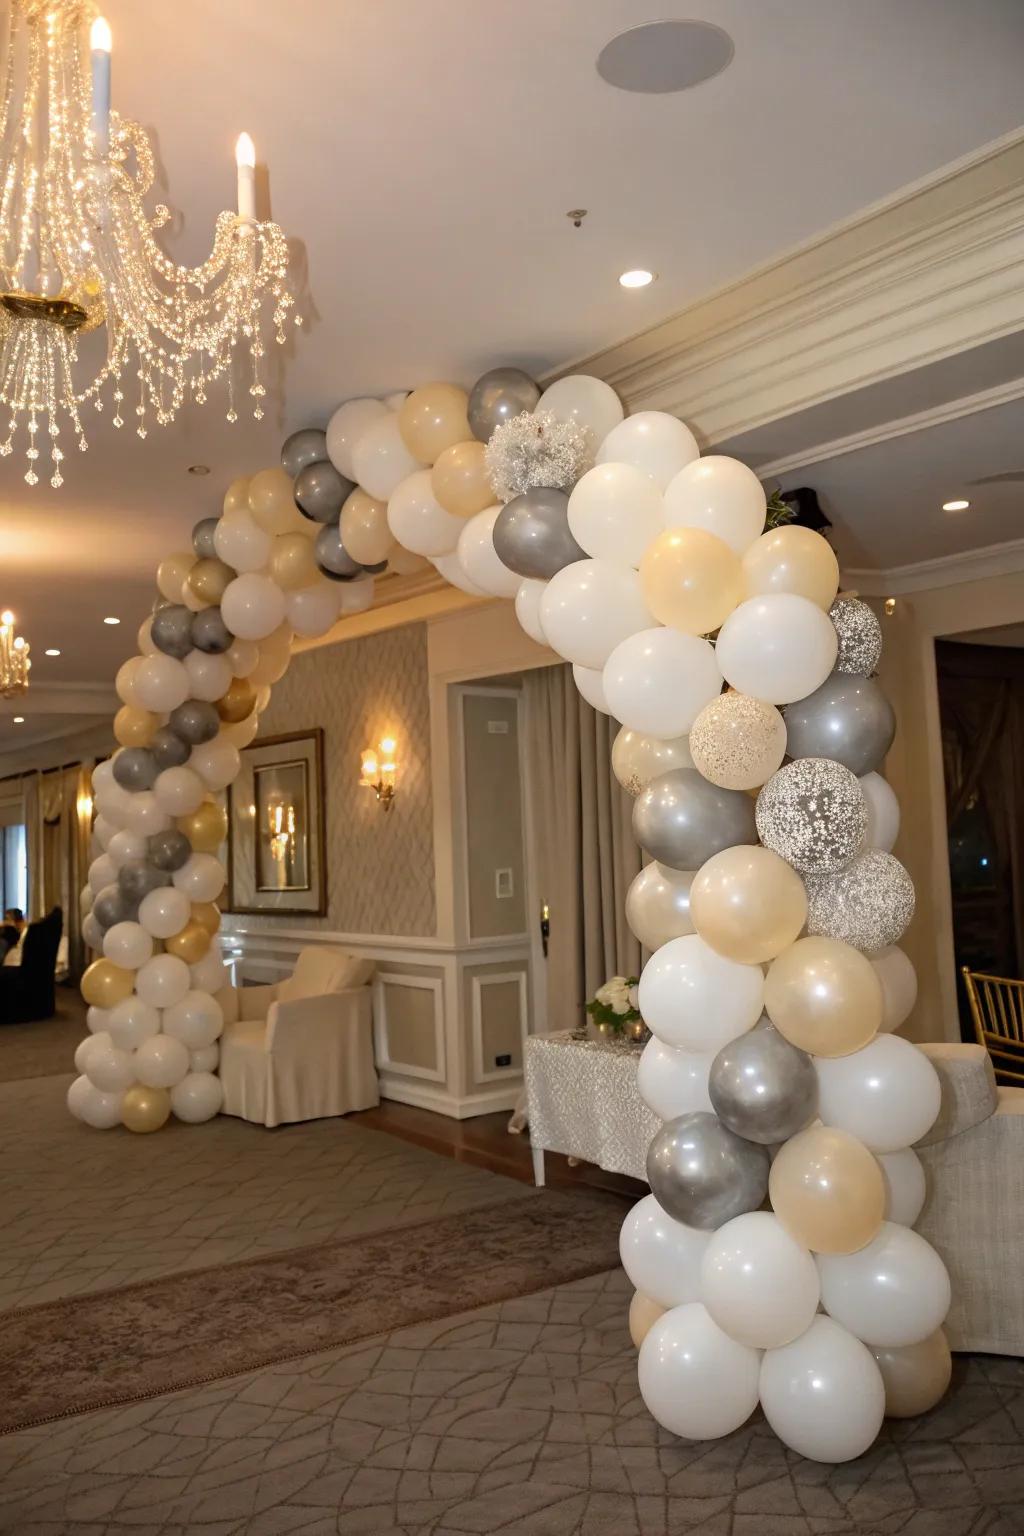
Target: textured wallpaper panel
<point>380,867</point>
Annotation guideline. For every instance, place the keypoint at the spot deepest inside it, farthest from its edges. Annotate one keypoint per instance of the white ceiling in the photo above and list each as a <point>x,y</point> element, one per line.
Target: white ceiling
<point>422,157</point>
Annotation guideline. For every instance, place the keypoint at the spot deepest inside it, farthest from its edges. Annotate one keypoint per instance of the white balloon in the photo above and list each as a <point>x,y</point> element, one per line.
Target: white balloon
<point>454,573</point>
<point>478,557</point>
<point>179,791</point>
<point>672,1082</point>
<point>209,676</point>
<point>396,399</point>
<point>205,1060</point>
<point>887,1094</point>
<point>658,904</point>
<point>311,611</point>
<point>588,401</point>
<point>418,520</point>
<point>125,845</point>
<point>403,562</point>
<point>112,802</point>
<point>590,606</point>
<point>103,832</point>
<point>895,971</point>
<point>87,1103</point>
<point>590,686</point>
<point>132,1021</point>
<point>217,762</point>
<point>145,815</point>
<point>162,982</point>
<point>201,877</point>
<point>127,945</point>
<point>380,458</point>
<point>346,427</point>
<point>615,511</point>
<point>758,1283</point>
<point>124,684</point>
<point>98,1019</point>
<point>659,680</point>
<point>242,656</point>
<point>107,1067</point>
<point>197,1021</point>
<point>160,684</point>
<point>241,543</point>
<point>164,912</point>
<point>102,1040</point>
<point>694,1379</point>
<point>823,1394</point>
<point>662,1257</point>
<point>720,495</point>
<point>210,974</point>
<point>659,444</point>
<point>638,758</point>
<point>883,812</point>
<point>697,1000</point>
<point>102,872</point>
<point>253,606</point>
<point>145,638</point>
<point>528,598</point>
<point>197,1097</point>
<point>891,1293</point>
<point>905,1185</point>
<point>777,648</point>
<point>356,596</point>
<point>162,1061</point>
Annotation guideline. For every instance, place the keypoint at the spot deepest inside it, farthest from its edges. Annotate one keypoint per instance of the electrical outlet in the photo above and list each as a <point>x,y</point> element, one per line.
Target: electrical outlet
<point>497,727</point>
<point>503,1061</point>
<point>503,884</point>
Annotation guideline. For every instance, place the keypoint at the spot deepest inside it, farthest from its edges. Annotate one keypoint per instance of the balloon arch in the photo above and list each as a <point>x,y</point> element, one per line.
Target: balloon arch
<point>774,1259</point>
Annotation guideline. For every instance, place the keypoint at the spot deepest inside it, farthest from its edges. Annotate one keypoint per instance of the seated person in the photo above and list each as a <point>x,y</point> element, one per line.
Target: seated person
<point>12,930</point>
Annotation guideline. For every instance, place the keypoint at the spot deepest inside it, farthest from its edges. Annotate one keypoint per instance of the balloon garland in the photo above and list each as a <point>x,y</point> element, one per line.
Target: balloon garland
<point>783,1178</point>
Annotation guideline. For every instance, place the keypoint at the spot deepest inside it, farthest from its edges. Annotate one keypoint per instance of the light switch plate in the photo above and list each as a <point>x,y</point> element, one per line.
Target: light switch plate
<point>503,883</point>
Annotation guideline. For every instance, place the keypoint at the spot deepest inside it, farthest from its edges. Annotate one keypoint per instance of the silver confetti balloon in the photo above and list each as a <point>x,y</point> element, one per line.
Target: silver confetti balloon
<point>703,1174</point>
<point>860,636</point>
<point>868,905</point>
<point>813,814</point>
<point>171,630</point>
<point>763,1088</point>
<point>320,492</point>
<point>531,534</point>
<point>682,820</point>
<point>496,397</point>
<point>848,719</point>
<point>135,768</point>
<point>307,446</point>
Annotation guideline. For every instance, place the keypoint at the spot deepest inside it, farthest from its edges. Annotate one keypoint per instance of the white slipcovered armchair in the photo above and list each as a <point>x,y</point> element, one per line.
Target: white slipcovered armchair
<point>303,1048</point>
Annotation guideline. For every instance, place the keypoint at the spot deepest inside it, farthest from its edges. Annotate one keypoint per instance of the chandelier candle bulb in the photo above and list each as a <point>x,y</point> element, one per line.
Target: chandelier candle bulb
<point>245,160</point>
<point>100,44</point>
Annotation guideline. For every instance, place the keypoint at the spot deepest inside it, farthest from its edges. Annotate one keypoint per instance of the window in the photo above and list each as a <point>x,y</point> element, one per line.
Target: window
<point>13,868</point>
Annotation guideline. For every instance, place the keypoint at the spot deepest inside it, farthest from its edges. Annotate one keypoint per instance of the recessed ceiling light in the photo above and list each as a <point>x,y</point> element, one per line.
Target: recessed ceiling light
<point>199,469</point>
<point>19,720</point>
<point>955,506</point>
<point>52,652</point>
<point>111,620</point>
<point>639,277</point>
<point>657,57</point>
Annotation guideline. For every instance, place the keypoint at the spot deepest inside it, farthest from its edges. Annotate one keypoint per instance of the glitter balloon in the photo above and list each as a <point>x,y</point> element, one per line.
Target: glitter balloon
<point>738,742</point>
<point>814,814</point>
<point>868,905</point>
<point>860,636</point>
<point>637,759</point>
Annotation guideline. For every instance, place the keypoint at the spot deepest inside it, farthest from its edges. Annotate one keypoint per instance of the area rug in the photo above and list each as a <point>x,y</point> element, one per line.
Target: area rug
<point>140,1341</point>
<point>44,1048</point>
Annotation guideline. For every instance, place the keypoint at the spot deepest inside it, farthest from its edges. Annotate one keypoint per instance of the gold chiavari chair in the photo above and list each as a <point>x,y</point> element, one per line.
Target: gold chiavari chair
<point>997,1008</point>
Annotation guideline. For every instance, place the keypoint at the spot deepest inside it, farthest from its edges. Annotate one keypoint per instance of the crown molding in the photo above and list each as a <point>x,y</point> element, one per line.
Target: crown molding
<point>1005,559</point>
<point>923,275</point>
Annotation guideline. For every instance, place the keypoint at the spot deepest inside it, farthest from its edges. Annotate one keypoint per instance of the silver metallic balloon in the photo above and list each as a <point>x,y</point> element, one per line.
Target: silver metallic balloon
<point>110,907</point>
<point>195,721</point>
<point>307,446</point>
<point>210,633</point>
<point>531,534</point>
<point>703,1174</point>
<point>169,749</point>
<point>202,538</point>
<point>137,877</point>
<point>682,820</point>
<point>496,397</point>
<point>168,850</point>
<point>763,1088</point>
<point>868,905</point>
<point>848,719</point>
<point>171,630</point>
<point>860,636</point>
<point>320,491</point>
<point>135,768</point>
<point>333,558</point>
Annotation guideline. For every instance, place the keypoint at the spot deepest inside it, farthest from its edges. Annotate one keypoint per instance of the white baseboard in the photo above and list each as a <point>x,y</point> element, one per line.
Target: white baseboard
<point>422,1096</point>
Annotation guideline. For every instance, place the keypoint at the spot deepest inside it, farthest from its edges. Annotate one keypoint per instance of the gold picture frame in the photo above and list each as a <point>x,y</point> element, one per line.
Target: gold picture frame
<point>276,827</point>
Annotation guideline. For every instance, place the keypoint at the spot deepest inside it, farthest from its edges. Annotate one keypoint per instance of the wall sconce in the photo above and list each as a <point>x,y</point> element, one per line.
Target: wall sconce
<point>377,769</point>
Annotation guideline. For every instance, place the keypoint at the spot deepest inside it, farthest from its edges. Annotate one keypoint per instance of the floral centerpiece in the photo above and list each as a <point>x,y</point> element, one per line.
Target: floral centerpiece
<point>614,1010</point>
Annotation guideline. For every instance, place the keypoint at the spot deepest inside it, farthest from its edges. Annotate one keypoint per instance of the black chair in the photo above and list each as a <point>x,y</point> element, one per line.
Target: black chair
<point>27,990</point>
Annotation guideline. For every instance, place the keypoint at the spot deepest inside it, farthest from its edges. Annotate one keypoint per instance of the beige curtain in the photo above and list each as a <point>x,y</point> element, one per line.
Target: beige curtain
<point>583,851</point>
<point>58,820</point>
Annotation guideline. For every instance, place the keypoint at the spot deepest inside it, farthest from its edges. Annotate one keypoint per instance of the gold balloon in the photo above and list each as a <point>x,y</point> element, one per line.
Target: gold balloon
<point>748,904</point>
<point>795,560</point>
<point>206,828</point>
<point>643,1314</point>
<point>824,996</point>
<point>432,419</point>
<point>827,1190</point>
<point>105,984</point>
<point>134,727</point>
<point>238,702</point>
<point>691,580</point>
<point>916,1376</point>
<point>236,497</point>
<point>460,482</point>
<point>208,580</point>
<point>207,915</point>
<point>364,528</point>
<point>145,1109</point>
<point>190,943</point>
<point>293,562</point>
<point>272,501</point>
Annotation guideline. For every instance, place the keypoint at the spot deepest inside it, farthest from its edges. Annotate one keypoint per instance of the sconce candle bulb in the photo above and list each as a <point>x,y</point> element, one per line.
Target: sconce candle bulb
<point>377,769</point>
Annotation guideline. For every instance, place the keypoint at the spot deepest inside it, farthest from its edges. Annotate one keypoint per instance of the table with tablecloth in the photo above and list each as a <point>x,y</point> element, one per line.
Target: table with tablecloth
<point>582,1100</point>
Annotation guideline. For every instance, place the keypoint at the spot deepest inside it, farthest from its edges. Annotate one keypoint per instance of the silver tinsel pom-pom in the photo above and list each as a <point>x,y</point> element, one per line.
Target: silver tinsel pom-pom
<point>860,636</point>
<point>534,449</point>
<point>868,905</point>
<point>813,814</point>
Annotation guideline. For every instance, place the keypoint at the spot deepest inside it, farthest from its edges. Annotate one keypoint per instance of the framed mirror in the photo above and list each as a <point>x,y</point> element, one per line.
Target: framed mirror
<point>276,841</point>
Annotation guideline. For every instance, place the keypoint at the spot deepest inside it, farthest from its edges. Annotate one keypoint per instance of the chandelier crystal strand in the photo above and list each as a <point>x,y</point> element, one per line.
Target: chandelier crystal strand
<point>14,658</point>
<point>78,253</point>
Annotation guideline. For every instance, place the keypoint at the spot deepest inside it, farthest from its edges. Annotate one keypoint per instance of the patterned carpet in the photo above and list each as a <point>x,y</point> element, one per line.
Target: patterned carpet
<point>46,1046</point>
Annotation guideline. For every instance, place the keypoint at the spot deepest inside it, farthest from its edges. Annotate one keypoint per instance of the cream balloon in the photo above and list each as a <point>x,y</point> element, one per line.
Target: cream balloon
<point>272,501</point>
<point>253,606</point>
<point>209,676</point>
<point>748,904</point>
<point>791,559</point>
<point>637,758</point>
<point>658,905</point>
<point>124,685</point>
<point>905,1185</point>
<point>242,656</point>
<point>888,1095</point>
<point>690,579</point>
<point>237,494</point>
<point>380,458</point>
<point>241,542</point>
<point>720,495</point>
<point>417,519</point>
<point>589,607</point>
<point>433,418</point>
<point>585,400</point>
<point>895,972</point>
<point>615,511</point>
<point>893,1292</point>
<point>694,1379</point>
<point>345,429</point>
<point>590,686</point>
<point>758,1283</point>
<point>658,681</point>
<point>916,1377</point>
<point>777,648</point>
<point>652,441</point>
<point>827,1190</point>
<point>695,999</point>
<point>171,574</point>
<point>459,479</point>
<point>273,655</point>
<point>364,528</point>
<point>883,812</point>
<point>479,559</point>
<point>673,1083</point>
<point>528,596</point>
<point>662,1257</point>
<point>738,742</point>
<point>216,762</point>
<point>643,1314</point>
<point>823,1393</point>
<point>824,997</point>
<point>293,563</point>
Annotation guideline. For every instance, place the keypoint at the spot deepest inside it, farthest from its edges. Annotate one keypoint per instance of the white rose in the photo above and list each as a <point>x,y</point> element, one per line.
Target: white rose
<point>603,995</point>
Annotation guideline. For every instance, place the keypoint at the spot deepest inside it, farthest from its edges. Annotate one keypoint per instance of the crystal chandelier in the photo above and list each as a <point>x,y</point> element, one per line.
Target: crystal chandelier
<point>78,254</point>
<point>14,660</point>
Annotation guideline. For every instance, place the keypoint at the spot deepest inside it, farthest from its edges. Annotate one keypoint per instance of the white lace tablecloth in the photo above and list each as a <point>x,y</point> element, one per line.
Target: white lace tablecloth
<point>582,1100</point>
